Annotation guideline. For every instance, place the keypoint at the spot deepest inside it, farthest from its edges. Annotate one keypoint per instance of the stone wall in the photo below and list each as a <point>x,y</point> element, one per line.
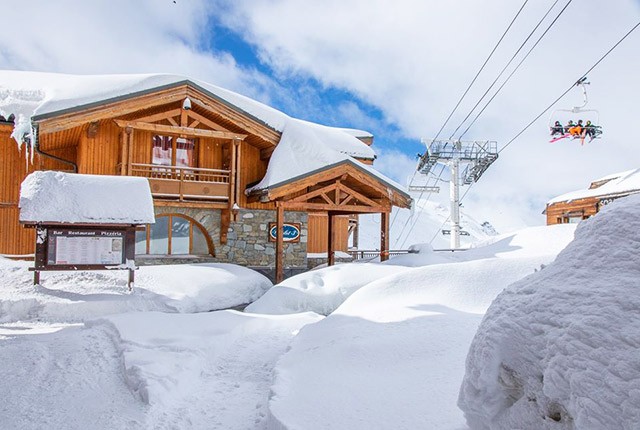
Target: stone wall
<point>247,239</point>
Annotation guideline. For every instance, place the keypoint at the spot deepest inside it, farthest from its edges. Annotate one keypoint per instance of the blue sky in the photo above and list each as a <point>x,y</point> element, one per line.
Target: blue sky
<point>325,99</point>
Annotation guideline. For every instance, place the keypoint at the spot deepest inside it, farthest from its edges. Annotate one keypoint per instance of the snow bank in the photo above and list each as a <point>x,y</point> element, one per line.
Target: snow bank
<point>559,349</point>
<point>47,196</point>
<point>323,290</point>
<point>392,356</point>
<point>78,296</point>
<point>320,291</point>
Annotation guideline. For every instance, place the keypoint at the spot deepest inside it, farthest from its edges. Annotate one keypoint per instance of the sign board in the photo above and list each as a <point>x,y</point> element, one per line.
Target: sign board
<point>69,247</point>
<point>82,247</point>
<point>291,232</point>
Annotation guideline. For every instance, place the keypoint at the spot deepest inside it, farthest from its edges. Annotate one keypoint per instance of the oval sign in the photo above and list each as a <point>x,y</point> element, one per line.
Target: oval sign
<point>291,232</point>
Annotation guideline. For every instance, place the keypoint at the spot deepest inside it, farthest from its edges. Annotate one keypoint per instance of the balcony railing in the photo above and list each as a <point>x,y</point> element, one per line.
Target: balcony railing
<point>185,183</point>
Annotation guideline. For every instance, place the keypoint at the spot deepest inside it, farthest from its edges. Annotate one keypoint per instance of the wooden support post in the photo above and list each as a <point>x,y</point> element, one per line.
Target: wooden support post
<point>331,258</point>
<point>279,242</point>
<point>131,279</point>
<point>356,233</point>
<point>124,155</point>
<point>129,132</point>
<point>238,144</point>
<point>36,277</point>
<point>384,236</point>
<point>225,222</point>
<point>232,176</point>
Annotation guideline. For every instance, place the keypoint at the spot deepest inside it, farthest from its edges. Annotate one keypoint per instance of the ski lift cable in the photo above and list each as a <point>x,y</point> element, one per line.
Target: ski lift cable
<point>419,213</point>
<point>417,217</point>
<point>467,91</point>
<point>504,68</point>
<point>584,75</point>
<point>481,69</point>
<point>449,216</point>
<point>582,79</point>
<point>515,69</point>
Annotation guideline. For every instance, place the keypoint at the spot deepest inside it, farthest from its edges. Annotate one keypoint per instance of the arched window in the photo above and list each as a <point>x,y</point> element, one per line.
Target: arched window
<point>174,234</point>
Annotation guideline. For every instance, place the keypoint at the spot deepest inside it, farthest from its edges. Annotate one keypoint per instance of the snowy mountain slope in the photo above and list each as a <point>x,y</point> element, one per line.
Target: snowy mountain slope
<point>559,349</point>
<point>422,224</point>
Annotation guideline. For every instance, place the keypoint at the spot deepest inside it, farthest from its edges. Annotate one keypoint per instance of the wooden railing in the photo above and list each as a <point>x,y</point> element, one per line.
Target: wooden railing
<point>185,182</point>
<point>370,254</point>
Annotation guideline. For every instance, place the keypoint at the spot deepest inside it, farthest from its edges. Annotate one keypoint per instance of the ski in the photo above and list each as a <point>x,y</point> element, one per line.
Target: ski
<point>560,137</point>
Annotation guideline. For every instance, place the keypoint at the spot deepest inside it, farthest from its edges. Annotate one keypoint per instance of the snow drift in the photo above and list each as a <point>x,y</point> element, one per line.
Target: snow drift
<point>559,349</point>
<point>392,355</point>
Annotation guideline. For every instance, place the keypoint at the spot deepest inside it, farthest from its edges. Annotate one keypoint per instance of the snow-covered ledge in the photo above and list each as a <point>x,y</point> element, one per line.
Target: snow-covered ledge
<point>58,197</point>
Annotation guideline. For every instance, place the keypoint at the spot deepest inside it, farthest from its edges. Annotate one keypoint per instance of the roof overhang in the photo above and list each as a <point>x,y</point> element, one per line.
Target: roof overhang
<point>377,185</point>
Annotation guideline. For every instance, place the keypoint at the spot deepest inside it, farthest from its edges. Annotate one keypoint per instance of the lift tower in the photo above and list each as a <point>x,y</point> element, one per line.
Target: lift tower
<point>474,157</point>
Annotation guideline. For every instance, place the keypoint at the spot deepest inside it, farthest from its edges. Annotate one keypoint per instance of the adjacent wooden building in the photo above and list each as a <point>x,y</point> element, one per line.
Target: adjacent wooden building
<point>205,152</point>
<point>575,206</point>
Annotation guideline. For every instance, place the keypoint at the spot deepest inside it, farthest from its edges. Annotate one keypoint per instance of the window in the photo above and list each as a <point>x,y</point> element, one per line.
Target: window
<point>174,235</point>
<point>167,151</point>
<point>162,150</point>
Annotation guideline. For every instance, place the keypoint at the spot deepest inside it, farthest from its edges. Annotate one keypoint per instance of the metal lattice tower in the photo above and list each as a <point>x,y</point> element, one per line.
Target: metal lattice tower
<point>475,156</point>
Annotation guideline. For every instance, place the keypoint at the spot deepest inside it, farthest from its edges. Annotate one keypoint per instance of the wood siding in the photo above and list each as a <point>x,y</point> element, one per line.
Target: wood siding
<point>14,239</point>
<point>318,227</point>
<point>557,213</point>
<point>252,169</point>
<point>100,155</point>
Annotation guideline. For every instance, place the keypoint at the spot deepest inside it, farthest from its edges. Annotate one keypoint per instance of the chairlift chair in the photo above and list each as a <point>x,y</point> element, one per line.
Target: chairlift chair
<point>577,113</point>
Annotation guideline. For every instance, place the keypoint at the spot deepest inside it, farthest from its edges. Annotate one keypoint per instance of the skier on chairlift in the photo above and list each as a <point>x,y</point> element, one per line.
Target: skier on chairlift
<point>591,130</point>
<point>576,130</point>
<point>557,129</point>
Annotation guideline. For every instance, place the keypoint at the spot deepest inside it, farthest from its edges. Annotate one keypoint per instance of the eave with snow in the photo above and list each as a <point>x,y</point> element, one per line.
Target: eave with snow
<point>203,149</point>
<point>582,204</point>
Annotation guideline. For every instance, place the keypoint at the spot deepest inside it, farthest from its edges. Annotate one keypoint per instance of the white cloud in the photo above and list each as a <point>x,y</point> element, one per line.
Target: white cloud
<point>410,59</point>
<point>119,36</point>
<point>413,59</point>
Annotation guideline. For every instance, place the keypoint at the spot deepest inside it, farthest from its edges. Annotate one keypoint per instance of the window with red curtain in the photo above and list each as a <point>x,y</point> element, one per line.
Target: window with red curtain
<point>162,150</point>
<point>185,152</point>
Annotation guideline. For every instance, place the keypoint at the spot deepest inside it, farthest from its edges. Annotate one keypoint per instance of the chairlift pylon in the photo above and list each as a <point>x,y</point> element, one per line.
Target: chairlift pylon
<point>575,114</point>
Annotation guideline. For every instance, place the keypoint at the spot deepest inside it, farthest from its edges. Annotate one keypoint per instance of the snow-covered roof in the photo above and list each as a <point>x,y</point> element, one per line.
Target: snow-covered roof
<point>34,95</point>
<point>58,197</point>
<point>306,148</point>
<point>614,184</point>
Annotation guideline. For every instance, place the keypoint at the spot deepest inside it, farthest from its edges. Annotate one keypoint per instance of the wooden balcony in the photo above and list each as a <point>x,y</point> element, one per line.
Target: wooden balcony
<point>185,183</point>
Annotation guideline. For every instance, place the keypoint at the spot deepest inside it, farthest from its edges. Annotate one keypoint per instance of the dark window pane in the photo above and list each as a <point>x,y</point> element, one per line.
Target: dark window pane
<point>141,242</point>
<point>179,235</point>
<point>159,242</point>
<point>200,246</point>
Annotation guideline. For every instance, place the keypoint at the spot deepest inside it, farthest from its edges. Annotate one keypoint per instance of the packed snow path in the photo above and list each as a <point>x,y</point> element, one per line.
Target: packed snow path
<point>145,370</point>
<point>70,379</point>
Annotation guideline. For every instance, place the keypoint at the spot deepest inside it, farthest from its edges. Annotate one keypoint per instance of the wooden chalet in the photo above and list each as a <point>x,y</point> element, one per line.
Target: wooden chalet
<point>575,206</point>
<point>203,153</point>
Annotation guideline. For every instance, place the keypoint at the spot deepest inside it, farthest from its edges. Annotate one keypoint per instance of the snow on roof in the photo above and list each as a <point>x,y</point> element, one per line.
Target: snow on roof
<point>306,148</point>
<point>47,196</point>
<point>33,94</point>
<point>617,183</point>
